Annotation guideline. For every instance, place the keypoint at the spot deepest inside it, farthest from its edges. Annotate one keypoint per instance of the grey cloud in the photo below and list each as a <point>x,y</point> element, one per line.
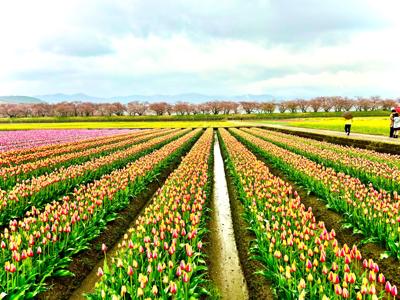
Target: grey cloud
<point>274,21</point>
<point>99,82</point>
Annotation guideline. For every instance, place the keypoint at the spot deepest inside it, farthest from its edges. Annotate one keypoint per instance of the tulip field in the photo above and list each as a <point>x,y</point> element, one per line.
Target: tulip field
<point>65,193</point>
<point>12,140</point>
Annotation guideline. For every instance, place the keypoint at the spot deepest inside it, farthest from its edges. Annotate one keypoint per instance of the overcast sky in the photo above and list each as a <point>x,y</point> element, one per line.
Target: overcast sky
<point>286,48</point>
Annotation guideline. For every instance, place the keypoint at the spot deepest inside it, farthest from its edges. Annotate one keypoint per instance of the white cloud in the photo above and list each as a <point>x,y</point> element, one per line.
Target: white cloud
<point>110,48</point>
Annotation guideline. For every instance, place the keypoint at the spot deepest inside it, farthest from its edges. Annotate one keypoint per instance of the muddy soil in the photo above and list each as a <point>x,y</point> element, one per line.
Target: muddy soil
<point>258,286</point>
<point>225,268</point>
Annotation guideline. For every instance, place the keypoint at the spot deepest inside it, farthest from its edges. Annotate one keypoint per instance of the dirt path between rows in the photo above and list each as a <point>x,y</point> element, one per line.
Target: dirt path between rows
<point>225,268</point>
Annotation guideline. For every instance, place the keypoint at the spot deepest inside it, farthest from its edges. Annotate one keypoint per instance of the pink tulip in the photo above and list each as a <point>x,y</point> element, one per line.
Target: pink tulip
<point>393,291</point>
<point>372,289</point>
<point>345,293</point>
<point>388,287</point>
<point>172,287</point>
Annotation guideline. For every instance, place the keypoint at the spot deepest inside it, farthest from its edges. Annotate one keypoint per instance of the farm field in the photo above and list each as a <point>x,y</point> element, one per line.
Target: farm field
<point>366,125</point>
<point>195,213</point>
<point>130,124</point>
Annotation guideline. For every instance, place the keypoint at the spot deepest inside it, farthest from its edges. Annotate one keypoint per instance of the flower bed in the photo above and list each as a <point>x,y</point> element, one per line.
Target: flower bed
<point>382,174</point>
<point>374,213</point>
<point>161,256</point>
<point>40,190</point>
<point>41,244</point>
<point>300,255</point>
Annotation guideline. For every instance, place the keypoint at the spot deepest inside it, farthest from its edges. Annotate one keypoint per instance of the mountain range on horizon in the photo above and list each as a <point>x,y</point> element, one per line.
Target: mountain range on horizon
<point>187,97</point>
<point>20,100</point>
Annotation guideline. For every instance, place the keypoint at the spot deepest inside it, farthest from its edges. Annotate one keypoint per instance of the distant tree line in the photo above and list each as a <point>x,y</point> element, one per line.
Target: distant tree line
<point>138,108</point>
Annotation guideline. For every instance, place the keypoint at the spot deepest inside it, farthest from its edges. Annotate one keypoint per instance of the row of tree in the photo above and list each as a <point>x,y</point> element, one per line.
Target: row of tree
<point>137,108</point>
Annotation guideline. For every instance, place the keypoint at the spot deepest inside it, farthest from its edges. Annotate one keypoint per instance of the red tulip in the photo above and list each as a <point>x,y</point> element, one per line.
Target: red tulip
<point>308,264</point>
<point>13,269</point>
<point>172,287</point>
<point>372,276</point>
<point>338,289</point>
<point>364,290</point>
<point>352,278</point>
<point>130,271</point>
<point>347,259</point>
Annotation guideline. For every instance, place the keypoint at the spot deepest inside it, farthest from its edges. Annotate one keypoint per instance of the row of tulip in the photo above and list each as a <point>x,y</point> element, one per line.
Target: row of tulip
<point>380,174</point>
<point>11,158</point>
<point>390,159</point>
<point>161,257</point>
<point>40,190</point>
<point>374,213</point>
<point>22,139</point>
<point>41,245</point>
<point>14,174</point>
<point>302,258</point>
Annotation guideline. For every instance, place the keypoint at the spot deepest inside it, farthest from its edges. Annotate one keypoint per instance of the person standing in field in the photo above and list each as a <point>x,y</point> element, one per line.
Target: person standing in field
<point>347,125</point>
<point>392,123</point>
<point>396,125</point>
